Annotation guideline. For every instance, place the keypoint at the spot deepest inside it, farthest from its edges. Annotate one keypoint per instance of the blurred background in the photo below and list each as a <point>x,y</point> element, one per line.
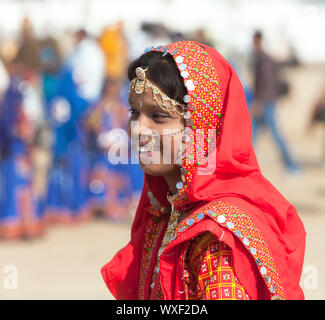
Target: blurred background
<point>65,210</point>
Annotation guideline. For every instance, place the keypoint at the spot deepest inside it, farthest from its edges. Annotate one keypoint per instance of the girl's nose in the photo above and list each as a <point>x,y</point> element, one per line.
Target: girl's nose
<point>141,125</point>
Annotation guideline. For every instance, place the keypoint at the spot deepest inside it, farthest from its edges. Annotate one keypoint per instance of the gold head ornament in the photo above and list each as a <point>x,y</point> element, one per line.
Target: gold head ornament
<point>141,84</point>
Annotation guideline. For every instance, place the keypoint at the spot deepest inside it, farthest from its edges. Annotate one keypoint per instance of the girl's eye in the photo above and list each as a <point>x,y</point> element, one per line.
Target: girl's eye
<point>160,116</point>
<point>156,116</point>
<point>133,113</point>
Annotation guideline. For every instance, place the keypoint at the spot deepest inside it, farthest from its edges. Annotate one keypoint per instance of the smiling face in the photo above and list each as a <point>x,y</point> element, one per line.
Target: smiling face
<point>150,124</point>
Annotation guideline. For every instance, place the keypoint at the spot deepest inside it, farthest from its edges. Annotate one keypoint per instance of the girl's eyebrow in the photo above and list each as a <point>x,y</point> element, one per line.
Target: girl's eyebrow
<point>151,106</point>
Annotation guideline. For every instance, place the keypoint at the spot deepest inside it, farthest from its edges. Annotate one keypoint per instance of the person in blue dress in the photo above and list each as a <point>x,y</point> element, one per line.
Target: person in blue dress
<point>67,178</point>
<point>20,214</point>
<point>80,81</point>
<point>111,185</point>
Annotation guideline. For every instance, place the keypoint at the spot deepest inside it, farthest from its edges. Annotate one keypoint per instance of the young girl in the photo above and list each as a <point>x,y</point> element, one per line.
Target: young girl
<point>208,224</point>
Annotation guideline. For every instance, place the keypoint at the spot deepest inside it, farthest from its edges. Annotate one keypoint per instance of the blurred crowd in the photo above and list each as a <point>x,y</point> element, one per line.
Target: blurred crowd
<point>59,97</point>
<point>55,106</point>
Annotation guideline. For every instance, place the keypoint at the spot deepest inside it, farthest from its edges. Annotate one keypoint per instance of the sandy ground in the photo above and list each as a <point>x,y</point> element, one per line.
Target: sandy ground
<point>65,264</point>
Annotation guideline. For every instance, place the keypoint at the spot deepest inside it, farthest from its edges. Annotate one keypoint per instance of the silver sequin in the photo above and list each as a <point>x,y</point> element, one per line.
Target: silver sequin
<point>187,115</point>
<point>187,98</point>
<point>179,185</point>
<point>179,59</point>
<point>182,66</point>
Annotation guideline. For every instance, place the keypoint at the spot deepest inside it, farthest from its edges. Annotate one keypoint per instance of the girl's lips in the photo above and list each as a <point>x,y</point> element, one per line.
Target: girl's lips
<point>146,153</point>
<point>142,143</point>
<point>140,146</point>
<point>143,156</point>
<point>146,144</point>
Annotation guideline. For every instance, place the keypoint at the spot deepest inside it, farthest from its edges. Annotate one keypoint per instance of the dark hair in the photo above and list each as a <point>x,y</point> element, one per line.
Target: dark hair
<point>258,35</point>
<point>162,71</point>
<point>81,33</point>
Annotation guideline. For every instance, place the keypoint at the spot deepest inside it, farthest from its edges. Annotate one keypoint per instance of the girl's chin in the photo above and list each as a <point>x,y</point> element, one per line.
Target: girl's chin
<point>154,168</point>
<point>157,169</point>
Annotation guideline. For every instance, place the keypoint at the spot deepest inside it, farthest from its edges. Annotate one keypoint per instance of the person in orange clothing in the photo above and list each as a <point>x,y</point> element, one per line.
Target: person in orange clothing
<point>114,46</point>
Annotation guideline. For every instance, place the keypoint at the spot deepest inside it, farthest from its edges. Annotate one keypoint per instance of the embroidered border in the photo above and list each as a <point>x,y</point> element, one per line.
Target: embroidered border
<point>153,229</point>
<point>204,105</point>
<point>241,225</point>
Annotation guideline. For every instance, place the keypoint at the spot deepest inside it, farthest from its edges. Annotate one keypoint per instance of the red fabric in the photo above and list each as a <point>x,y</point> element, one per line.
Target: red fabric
<point>236,180</point>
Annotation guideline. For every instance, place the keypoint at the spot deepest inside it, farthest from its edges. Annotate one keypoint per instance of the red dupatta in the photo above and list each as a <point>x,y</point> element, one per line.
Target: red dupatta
<point>234,201</point>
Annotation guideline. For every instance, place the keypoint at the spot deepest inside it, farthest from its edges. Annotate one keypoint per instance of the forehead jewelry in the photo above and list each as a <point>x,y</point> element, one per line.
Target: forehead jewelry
<point>141,84</point>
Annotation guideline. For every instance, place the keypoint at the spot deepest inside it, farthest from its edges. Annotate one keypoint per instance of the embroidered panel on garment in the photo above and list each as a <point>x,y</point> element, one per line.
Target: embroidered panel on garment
<point>153,229</point>
<point>204,105</point>
<point>242,226</point>
<point>208,271</point>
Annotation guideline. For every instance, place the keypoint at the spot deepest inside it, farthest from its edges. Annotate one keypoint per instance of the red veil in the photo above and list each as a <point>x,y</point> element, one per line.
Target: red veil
<point>235,189</point>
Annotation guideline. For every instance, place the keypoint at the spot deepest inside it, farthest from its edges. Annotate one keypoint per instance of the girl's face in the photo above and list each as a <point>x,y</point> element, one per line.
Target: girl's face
<point>150,123</point>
